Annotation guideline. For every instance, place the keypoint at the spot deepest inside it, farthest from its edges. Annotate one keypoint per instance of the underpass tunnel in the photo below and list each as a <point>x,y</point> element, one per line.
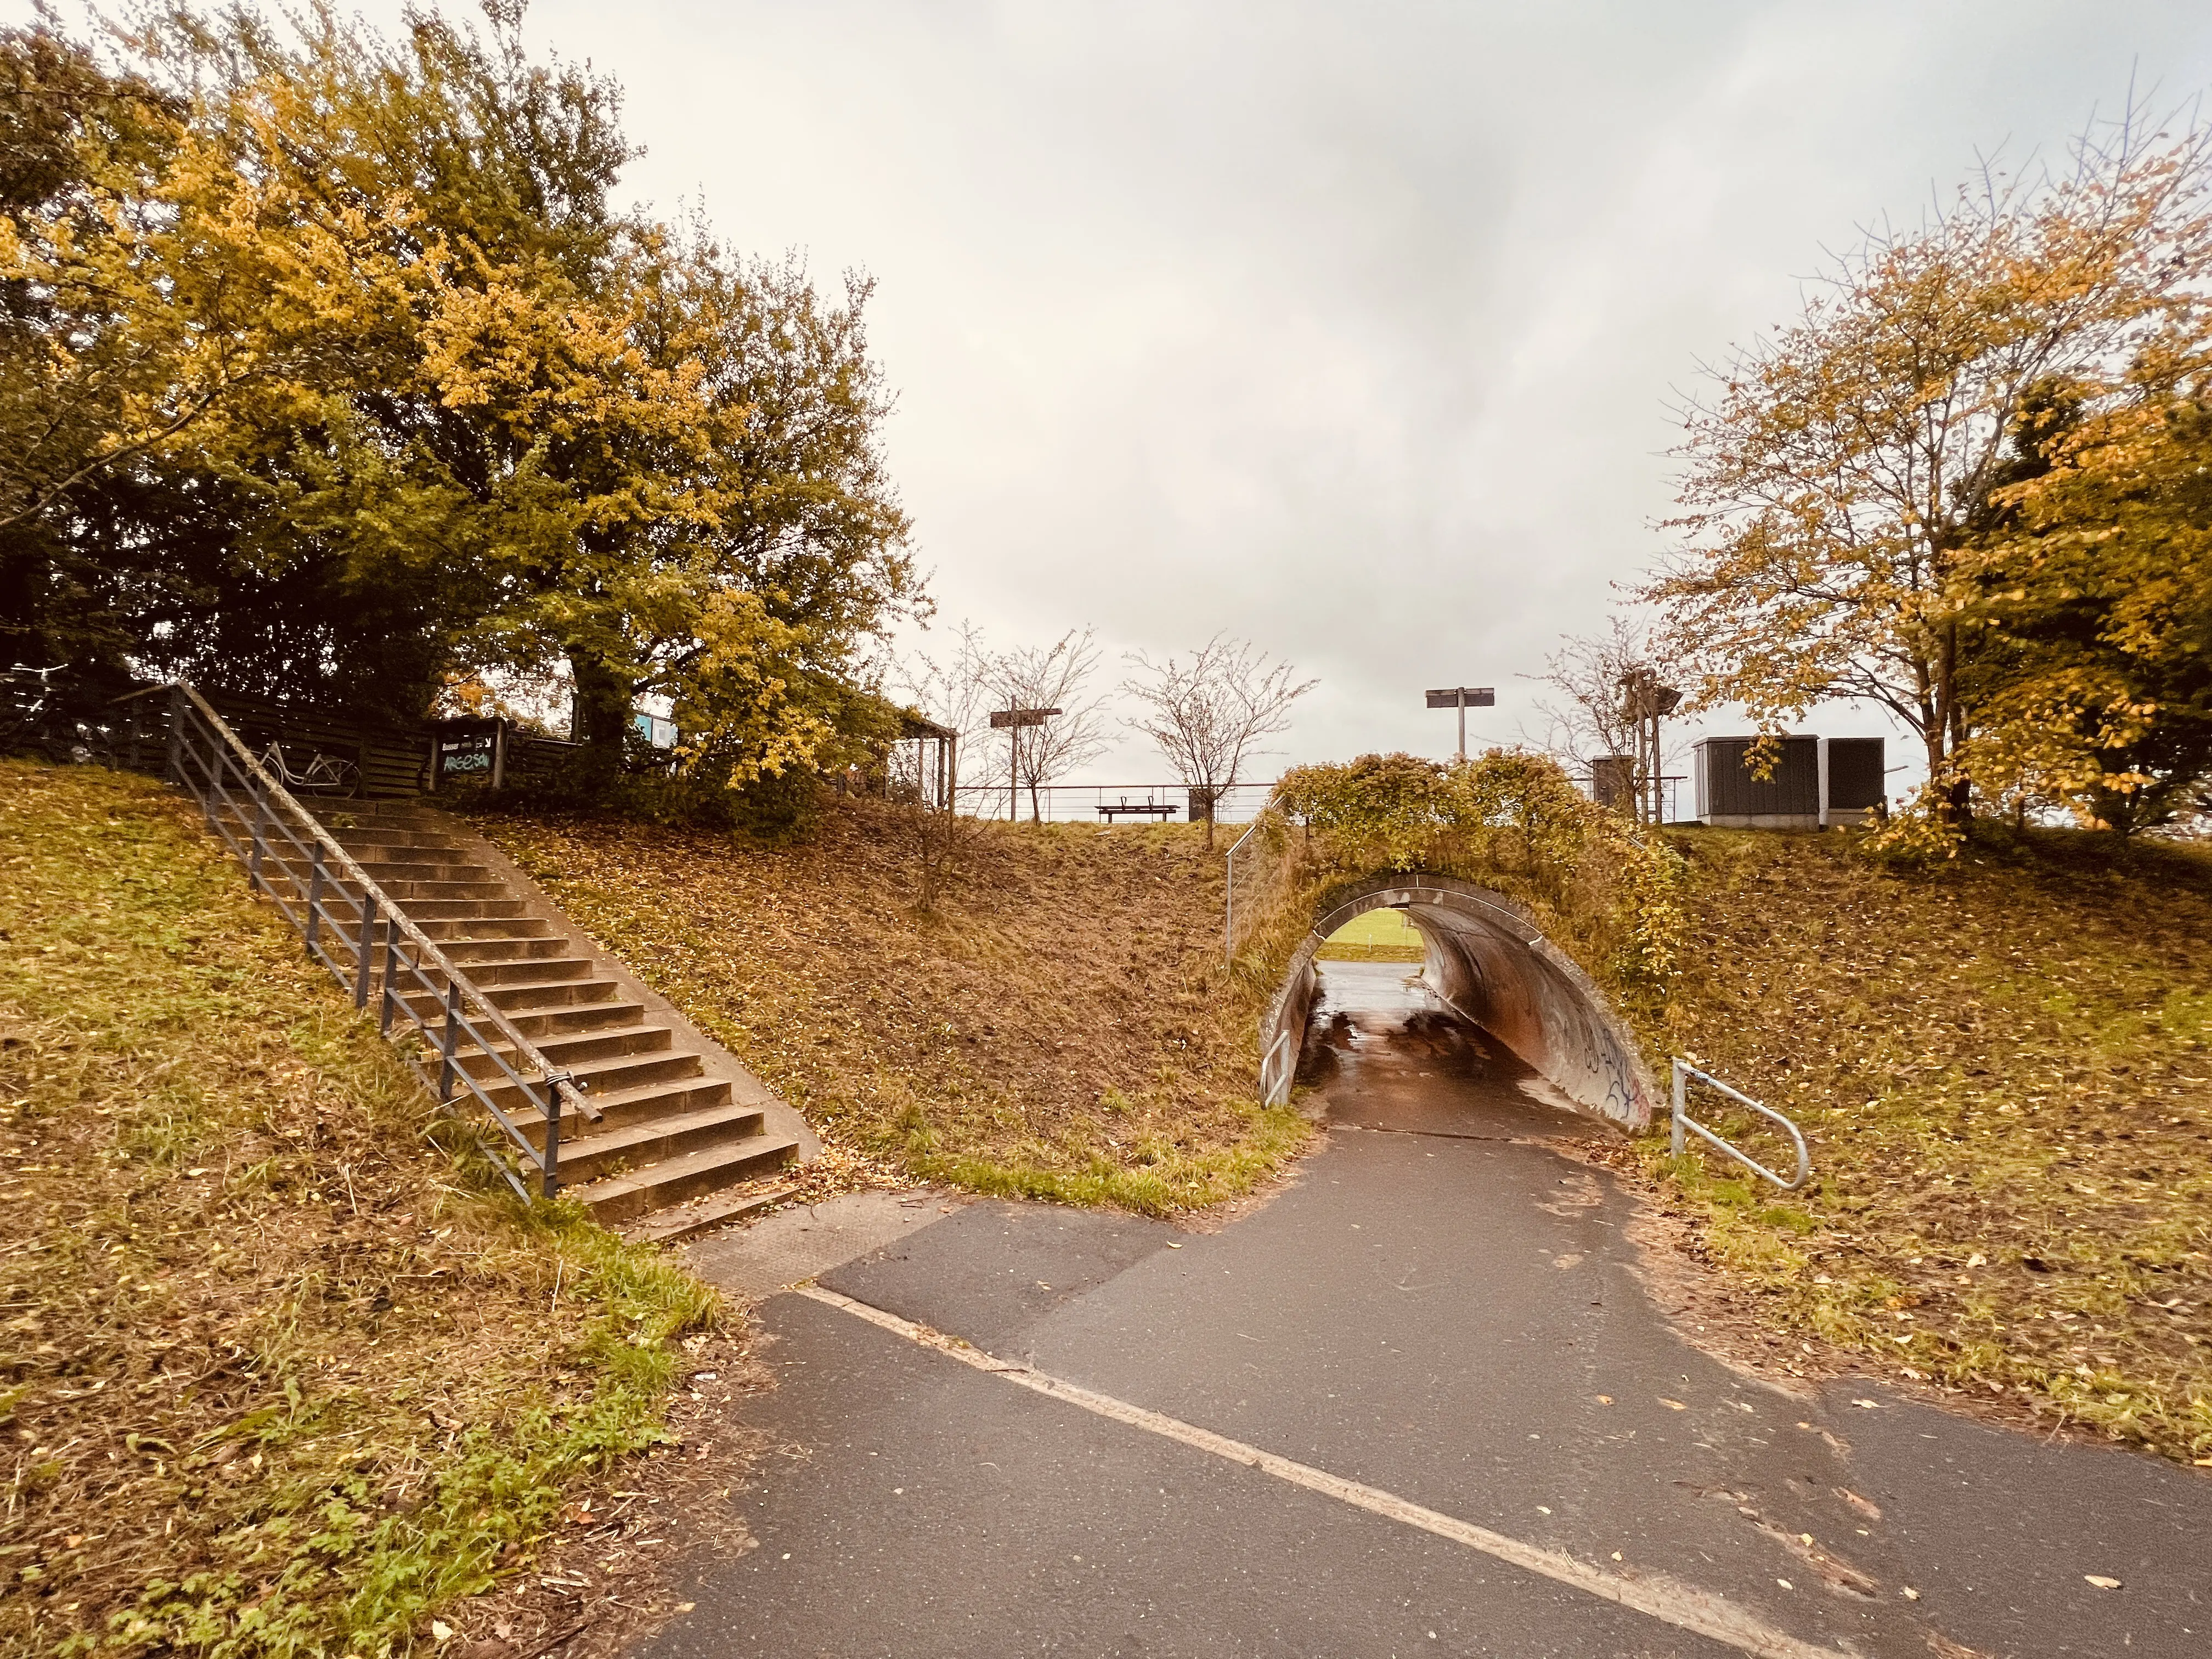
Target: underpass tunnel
<point>1486,962</point>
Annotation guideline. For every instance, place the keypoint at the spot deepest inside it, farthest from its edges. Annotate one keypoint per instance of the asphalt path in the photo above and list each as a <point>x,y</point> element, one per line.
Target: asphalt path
<point>1444,1310</point>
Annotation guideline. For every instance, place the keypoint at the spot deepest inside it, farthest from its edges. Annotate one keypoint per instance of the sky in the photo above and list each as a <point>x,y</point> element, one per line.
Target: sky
<point>1351,330</point>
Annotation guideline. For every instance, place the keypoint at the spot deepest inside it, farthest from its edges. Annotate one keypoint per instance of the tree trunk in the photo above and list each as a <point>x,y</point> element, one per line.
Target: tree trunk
<point>1951,730</point>
<point>599,717</point>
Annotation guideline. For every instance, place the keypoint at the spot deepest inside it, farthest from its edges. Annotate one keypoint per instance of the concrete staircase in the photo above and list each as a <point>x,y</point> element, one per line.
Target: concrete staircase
<point>671,1131</point>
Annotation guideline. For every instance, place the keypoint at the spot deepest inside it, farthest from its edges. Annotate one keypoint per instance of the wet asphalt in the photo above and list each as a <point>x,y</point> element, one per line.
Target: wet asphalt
<point>1441,1305</point>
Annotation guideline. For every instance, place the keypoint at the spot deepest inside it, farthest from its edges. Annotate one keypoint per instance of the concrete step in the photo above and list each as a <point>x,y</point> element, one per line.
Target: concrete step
<point>457,909</point>
<point>573,1050</point>
<point>466,952</point>
<point>442,928</point>
<point>550,993</point>
<point>488,976</point>
<point>376,839</point>
<point>643,1104</point>
<point>657,1186</point>
<point>576,1016</point>
<point>407,893</point>
<point>601,1150</point>
<point>618,1072</point>
<point>679,1222</point>
<point>387,872</point>
<point>566,987</point>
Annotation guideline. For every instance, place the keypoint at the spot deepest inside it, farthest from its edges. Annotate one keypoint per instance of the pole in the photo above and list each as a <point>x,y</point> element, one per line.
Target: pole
<point>1463,725</point>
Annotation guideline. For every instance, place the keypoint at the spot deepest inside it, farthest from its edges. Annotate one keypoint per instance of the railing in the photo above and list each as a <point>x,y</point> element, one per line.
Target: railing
<point>1275,1079</point>
<point>1067,802</point>
<point>347,931</point>
<point>1684,1071</point>
<point>1229,901</point>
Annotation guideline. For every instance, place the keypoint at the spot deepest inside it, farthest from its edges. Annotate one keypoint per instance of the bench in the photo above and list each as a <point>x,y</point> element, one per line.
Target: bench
<point>1149,809</point>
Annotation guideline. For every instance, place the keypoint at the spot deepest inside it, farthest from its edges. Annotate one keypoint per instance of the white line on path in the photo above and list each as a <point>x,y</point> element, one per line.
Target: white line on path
<point>1684,1605</point>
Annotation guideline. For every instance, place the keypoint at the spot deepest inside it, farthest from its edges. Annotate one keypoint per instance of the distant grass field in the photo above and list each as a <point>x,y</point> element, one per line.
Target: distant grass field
<point>1378,936</point>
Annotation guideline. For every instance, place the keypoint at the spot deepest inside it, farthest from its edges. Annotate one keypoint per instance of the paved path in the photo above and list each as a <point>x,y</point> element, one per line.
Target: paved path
<point>1505,1447</point>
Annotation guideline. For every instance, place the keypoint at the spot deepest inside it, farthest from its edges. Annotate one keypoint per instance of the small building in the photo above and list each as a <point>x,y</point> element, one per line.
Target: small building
<point>1816,783</point>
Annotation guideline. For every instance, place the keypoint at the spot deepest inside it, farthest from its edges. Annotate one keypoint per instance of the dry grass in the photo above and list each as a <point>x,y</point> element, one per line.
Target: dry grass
<point>2005,1071</point>
<point>1062,1027</point>
<point>278,1377</point>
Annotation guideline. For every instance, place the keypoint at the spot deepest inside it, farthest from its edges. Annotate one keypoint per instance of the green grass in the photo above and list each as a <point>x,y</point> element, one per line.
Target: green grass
<point>283,1374</point>
<point>1378,936</point>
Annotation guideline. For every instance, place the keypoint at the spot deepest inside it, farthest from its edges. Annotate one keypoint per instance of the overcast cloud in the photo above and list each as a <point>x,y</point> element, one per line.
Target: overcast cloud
<point>1348,328</point>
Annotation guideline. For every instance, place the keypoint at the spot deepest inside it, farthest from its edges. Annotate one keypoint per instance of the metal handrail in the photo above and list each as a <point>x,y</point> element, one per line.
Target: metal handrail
<point>1683,1073</point>
<point>1267,1079</point>
<point>462,1008</point>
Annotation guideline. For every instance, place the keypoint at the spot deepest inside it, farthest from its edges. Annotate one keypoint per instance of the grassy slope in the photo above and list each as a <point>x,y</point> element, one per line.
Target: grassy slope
<point>2002,1068</point>
<point>1058,1030</point>
<point>273,1380</point>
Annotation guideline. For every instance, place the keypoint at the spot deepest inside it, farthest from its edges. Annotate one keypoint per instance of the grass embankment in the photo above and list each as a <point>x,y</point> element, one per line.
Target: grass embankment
<point>2004,1068</point>
<point>274,1380</point>
<point>1061,1028</point>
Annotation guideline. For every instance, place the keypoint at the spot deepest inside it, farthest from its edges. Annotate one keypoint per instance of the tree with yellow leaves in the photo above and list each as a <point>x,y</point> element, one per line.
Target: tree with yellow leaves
<point>1842,479</point>
<point>343,376</point>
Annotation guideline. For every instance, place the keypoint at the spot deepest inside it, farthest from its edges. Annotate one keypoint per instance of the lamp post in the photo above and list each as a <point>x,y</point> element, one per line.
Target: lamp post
<point>1463,697</point>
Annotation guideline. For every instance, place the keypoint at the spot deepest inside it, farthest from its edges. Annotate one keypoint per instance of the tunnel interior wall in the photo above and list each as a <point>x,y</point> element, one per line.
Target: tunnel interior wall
<point>1491,965</point>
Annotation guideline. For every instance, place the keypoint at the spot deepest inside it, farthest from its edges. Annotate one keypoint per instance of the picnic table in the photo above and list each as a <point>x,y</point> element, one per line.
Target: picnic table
<point>1149,809</point>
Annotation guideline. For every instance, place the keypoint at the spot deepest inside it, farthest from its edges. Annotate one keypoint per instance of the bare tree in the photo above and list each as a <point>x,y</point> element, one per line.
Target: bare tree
<point>953,694</point>
<point>1615,692</point>
<point>1053,676</point>
<point>1209,715</point>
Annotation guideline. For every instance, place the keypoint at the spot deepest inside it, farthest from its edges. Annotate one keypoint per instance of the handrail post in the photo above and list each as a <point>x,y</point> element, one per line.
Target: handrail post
<point>260,837</point>
<point>384,1004</point>
<point>366,951</point>
<point>177,707</point>
<point>550,1164</point>
<point>1681,1089</point>
<point>450,1041</point>
<point>315,892</point>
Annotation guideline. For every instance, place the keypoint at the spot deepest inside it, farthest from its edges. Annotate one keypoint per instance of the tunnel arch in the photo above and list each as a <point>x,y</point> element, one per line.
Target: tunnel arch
<point>1491,964</point>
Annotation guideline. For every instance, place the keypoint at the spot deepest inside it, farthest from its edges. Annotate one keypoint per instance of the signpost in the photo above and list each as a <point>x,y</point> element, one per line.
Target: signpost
<point>1645,701</point>
<point>1011,721</point>
<point>1463,697</point>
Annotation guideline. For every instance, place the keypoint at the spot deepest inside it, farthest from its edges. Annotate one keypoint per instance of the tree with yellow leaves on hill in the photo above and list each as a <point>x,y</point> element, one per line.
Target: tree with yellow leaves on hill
<point>1846,482</point>
<point>333,374</point>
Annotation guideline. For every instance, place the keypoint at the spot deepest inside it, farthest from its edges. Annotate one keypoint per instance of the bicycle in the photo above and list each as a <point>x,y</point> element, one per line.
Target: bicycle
<point>323,775</point>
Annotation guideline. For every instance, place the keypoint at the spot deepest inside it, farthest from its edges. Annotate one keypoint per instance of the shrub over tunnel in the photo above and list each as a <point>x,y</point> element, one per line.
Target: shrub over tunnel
<point>1606,891</point>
